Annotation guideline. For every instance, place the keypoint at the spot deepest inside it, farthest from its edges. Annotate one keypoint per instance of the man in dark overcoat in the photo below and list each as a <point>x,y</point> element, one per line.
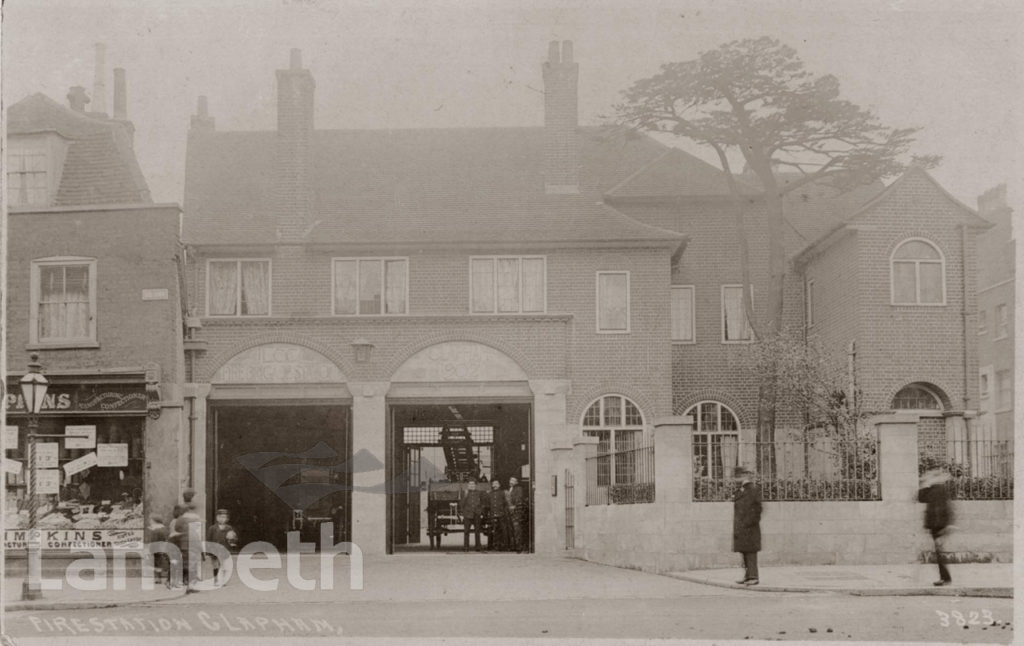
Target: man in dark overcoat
<point>746,524</point>
<point>937,515</point>
<point>517,514</point>
<point>497,506</point>
<point>474,509</point>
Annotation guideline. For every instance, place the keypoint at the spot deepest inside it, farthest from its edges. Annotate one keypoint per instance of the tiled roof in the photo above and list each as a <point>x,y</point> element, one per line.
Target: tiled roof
<point>100,166</point>
<point>814,209</point>
<point>677,174</point>
<point>414,186</point>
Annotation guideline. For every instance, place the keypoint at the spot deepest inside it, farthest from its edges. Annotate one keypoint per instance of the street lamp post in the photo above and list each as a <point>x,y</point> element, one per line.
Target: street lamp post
<point>33,390</point>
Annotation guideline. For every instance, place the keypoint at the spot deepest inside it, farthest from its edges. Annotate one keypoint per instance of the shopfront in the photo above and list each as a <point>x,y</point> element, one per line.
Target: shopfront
<point>91,475</point>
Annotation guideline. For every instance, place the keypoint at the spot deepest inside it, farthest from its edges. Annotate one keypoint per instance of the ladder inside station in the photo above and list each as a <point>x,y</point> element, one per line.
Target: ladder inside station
<point>458,453</point>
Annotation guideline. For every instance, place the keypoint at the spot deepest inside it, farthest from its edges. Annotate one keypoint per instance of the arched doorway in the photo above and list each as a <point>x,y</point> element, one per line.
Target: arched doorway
<point>457,410</point>
<point>279,444</point>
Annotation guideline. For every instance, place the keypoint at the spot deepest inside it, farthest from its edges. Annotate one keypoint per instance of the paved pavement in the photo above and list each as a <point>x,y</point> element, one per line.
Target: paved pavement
<point>969,579</point>
<point>419,577</point>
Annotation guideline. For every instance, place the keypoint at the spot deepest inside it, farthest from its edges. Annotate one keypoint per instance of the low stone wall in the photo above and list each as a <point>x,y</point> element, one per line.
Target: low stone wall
<point>675,533</point>
<point>663,537</point>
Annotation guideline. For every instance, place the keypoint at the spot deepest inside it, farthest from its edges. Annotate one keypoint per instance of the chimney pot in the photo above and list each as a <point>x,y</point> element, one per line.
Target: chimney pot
<point>295,62</point>
<point>202,120</point>
<point>77,98</point>
<point>120,95</point>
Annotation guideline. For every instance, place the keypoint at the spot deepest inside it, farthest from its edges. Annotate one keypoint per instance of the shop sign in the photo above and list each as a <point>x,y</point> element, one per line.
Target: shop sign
<point>11,466</point>
<point>11,438</point>
<point>80,437</point>
<point>77,465</point>
<point>55,539</point>
<point>46,455</point>
<point>47,481</point>
<point>84,398</point>
<point>112,455</point>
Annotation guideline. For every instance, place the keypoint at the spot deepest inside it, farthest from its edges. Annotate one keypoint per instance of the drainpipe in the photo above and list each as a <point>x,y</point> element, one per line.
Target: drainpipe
<point>964,313</point>
<point>851,369</point>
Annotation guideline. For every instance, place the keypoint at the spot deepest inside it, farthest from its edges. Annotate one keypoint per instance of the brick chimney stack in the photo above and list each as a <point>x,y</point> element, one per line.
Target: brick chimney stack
<point>120,95</point>
<point>99,86</point>
<point>561,120</point>
<point>201,120</point>
<point>293,195</point>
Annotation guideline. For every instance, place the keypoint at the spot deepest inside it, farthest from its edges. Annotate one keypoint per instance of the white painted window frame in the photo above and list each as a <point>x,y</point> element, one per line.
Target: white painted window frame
<point>238,275</point>
<point>692,289</point>
<point>494,283</point>
<point>597,300</point>
<point>35,293</point>
<point>917,274</point>
<point>383,281</point>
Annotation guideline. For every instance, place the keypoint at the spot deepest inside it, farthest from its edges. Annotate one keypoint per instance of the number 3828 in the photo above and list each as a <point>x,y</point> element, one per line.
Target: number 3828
<point>971,618</point>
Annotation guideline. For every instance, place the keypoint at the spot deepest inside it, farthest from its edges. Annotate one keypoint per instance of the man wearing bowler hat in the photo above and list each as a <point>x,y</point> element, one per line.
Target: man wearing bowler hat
<point>746,524</point>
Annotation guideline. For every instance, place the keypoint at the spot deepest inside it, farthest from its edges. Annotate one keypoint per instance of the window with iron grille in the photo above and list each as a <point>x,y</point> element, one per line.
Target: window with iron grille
<point>617,423</point>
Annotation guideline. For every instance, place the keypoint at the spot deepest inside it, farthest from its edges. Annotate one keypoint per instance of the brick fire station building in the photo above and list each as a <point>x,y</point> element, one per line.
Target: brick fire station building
<point>353,292</point>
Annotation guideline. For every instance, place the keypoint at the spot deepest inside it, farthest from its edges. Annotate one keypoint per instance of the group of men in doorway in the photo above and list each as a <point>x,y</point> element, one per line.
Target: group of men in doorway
<point>503,513</point>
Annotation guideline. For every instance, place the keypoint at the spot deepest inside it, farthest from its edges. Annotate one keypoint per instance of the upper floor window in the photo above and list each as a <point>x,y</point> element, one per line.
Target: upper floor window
<point>1002,321</point>
<point>918,274</point>
<point>28,172</point>
<point>239,287</point>
<point>371,286</point>
<point>63,301</point>
<point>735,324</point>
<point>613,301</point>
<point>617,423</point>
<point>982,322</point>
<point>507,284</point>
<point>915,397</point>
<point>1004,390</point>
<point>985,383</point>
<point>682,313</point>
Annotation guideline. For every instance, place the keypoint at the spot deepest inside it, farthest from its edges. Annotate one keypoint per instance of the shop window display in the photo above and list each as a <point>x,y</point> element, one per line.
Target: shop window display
<point>95,488</point>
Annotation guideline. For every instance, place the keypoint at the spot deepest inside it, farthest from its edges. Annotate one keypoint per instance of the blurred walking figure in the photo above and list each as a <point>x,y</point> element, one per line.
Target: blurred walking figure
<point>938,515</point>
<point>746,525</point>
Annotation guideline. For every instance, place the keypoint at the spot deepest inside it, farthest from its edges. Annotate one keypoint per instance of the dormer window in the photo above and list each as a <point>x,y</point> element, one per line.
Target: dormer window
<point>27,173</point>
<point>33,169</point>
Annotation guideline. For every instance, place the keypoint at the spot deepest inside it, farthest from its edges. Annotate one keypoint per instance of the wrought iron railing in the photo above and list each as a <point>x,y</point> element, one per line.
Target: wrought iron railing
<point>621,477</point>
<point>979,469</point>
<point>823,468</point>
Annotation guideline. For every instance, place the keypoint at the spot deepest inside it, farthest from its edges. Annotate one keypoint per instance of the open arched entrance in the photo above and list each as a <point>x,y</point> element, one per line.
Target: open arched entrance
<point>279,444</point>
<point>458,411</point>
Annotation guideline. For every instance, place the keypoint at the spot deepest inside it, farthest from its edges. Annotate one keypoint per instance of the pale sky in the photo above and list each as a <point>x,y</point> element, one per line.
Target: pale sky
<point>953,68</point>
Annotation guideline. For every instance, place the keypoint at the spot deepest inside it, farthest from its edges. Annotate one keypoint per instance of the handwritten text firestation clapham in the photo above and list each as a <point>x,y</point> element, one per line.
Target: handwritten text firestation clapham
<point>202,622</point>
